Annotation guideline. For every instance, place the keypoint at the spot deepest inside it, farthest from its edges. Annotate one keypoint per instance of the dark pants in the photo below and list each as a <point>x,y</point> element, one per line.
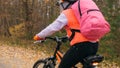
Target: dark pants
<point>77,53</point>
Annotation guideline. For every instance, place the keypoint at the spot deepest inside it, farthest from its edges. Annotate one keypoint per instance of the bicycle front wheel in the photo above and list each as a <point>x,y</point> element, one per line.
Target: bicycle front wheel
<point>43,64</point>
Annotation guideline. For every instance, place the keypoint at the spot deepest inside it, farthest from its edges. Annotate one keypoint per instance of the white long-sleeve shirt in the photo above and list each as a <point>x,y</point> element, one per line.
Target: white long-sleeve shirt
<point>57,25</point>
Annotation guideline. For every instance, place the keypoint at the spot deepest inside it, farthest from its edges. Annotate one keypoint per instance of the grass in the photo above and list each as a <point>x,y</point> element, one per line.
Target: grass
<point>109,48</point>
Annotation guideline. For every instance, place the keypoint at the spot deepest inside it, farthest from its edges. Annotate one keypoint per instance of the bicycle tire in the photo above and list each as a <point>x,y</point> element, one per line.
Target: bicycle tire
<point>46,64</point>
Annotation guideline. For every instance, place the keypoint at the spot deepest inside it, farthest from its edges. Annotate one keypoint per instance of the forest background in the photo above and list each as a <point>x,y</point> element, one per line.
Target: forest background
<point>20,20</point>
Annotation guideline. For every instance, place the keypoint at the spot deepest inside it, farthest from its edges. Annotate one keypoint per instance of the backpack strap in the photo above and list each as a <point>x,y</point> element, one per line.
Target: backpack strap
<point>79,8</point>
<point>73,33</point>
<point>92,10</point>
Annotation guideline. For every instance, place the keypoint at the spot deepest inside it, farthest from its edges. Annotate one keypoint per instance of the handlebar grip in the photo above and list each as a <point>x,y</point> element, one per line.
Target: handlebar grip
<point>40,41</point>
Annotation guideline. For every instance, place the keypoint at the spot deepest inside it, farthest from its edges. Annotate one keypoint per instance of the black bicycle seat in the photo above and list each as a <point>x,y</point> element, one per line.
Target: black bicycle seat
<point>94,58</point>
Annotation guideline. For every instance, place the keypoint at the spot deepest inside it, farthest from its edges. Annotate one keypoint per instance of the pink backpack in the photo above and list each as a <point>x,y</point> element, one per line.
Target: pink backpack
<point>92,23</point>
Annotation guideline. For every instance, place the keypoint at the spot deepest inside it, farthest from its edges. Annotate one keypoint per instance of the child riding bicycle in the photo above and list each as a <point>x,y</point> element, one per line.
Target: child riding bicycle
<point>81,47</point>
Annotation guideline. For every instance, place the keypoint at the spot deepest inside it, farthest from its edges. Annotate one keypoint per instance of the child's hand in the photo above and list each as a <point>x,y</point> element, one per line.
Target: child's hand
<point>37,38</point>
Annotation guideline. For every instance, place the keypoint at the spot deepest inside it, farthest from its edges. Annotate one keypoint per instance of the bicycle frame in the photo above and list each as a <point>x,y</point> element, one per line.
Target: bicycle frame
<point>59,56</point>
<point>57,53</point>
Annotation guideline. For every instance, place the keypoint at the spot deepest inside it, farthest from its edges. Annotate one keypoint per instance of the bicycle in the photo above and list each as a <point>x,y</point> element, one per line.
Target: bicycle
<point>50,62</point>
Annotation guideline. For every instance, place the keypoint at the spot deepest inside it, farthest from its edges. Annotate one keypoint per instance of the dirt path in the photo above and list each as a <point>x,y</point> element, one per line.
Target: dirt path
<point>14,57</point>
<point>17,57</point>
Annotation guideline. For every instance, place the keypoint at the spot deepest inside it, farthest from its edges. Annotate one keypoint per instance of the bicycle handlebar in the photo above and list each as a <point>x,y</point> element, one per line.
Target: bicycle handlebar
<point>56,38</point>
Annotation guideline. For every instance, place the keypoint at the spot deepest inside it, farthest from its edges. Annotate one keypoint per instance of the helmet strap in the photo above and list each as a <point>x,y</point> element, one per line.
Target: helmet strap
<point>66,6</point>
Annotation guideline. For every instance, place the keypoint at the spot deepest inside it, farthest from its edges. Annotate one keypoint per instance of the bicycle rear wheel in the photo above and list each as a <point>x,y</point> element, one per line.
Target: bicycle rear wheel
<point>43,64</point>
